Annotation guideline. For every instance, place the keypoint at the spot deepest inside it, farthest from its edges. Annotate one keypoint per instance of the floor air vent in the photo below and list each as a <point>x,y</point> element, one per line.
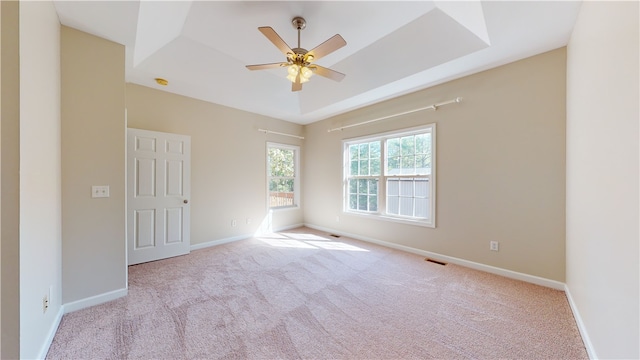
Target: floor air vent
<point>435,261</point>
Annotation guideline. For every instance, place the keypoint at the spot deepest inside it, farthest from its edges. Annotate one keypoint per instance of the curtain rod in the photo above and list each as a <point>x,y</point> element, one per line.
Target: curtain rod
<point>433,107</point>
<point>279,133</point>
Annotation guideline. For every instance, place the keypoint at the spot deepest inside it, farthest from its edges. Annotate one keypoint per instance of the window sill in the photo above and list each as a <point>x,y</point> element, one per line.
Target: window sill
<point>377,216</point>
<point>285,208</point>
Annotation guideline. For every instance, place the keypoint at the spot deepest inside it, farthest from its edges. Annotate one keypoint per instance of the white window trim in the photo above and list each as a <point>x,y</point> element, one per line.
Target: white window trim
<point>382,193</point>
<point>296,182</point>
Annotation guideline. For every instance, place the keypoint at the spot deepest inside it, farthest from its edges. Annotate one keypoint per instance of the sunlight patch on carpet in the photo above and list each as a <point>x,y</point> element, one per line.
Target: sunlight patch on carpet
<point>287,243</point>
<point>306,241</point>
<point>302,236</point>
<point>334,245</point>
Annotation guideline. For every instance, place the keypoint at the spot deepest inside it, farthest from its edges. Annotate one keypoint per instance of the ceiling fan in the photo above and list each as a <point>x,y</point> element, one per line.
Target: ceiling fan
<point>299,62</point>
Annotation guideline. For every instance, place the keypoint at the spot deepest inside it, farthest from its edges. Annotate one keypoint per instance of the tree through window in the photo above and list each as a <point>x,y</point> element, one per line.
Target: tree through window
<point>282,175</point>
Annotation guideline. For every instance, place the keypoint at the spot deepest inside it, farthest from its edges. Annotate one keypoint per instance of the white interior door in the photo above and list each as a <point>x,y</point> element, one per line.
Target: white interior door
<point>158,190</point>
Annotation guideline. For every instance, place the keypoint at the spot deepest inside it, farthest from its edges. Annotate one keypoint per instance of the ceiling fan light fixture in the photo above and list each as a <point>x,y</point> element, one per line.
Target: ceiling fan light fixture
<point>293,71</point>
<point>306,72</point>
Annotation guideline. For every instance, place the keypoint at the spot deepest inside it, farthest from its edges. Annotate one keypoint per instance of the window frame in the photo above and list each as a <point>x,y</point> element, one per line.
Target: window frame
<point>296,176</point>
<point>382,193</point>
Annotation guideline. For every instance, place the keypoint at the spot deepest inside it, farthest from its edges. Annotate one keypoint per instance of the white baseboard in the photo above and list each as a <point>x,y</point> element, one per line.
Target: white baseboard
<point>218,242</point>
<point>583,330</point>
<point>51,334</point>
<point>94,300</point>
<point>450,259</point>
<point>237,238</point>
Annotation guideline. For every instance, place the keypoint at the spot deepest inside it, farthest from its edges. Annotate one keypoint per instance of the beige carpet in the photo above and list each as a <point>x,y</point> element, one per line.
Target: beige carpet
<point>304,294</point>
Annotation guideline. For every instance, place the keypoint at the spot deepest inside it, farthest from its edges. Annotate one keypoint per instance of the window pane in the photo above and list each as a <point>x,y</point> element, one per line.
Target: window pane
<point>373,203</point>
<point>281,185</point>
<point>408,197</point>
<point>423,165</point>
<point>374,167</point>
<point>393,187</point>
<point>362,186</point>
<point>364,151</point>
<point>287,185</point>
<point>353,152</point>
<point>373,187</point>
<point>422,208</point>
<point>422,188</point>
<point>353,202</point>
<point>407,146</point>
<point>364,167</point>
<point>393,203</point>
<point>393,147</point>
<point>353,169</point>
<point>406,187</point>
<point>393,166</point>
<point>353,186</point>
<point>408,165</point>
<point>281,192</point>
<point>362,202</point>
<point>421,144</point>
<point>281,162</point>
<point>406,206</point>
<point>374,148</point>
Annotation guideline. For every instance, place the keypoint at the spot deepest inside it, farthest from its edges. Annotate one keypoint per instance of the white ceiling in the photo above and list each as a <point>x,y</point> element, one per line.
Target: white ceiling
<point>393,47</point>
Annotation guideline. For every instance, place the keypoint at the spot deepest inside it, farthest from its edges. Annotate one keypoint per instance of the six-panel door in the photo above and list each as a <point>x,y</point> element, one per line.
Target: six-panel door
<point>158,188</point>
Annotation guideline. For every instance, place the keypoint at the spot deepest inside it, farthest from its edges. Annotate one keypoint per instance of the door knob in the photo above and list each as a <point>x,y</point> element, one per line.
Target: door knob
<point>185,201</point>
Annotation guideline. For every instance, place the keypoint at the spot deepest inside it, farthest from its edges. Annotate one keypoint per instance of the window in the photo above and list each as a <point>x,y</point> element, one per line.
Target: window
<point>282,176</point>
<point>392,175</point>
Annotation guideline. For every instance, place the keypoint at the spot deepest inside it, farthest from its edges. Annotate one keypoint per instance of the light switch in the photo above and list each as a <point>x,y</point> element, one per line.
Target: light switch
<point>101,191</point>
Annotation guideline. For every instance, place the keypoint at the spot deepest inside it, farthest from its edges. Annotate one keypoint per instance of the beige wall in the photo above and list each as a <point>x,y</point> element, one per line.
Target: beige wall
<point>228,179</point>
<point>40,194</point>
<point>10,180</point>
<point>602,176</point>
<point>500,168</point>
<point>93,153</point>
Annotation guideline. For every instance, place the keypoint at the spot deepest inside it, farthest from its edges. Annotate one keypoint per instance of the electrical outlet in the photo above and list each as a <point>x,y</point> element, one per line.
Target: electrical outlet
<point>45,303</point>
<point>337,218</point>
<point>248,221</point>
<point>494,245</point>
<point>101,191</point>
<point>234,223</point>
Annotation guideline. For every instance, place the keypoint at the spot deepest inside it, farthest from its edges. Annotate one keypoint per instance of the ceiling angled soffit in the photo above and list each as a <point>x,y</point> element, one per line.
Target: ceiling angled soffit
<point>469,14</point>
<point>159,22</point>
<point>97,18</point>
<point>435,38</point>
